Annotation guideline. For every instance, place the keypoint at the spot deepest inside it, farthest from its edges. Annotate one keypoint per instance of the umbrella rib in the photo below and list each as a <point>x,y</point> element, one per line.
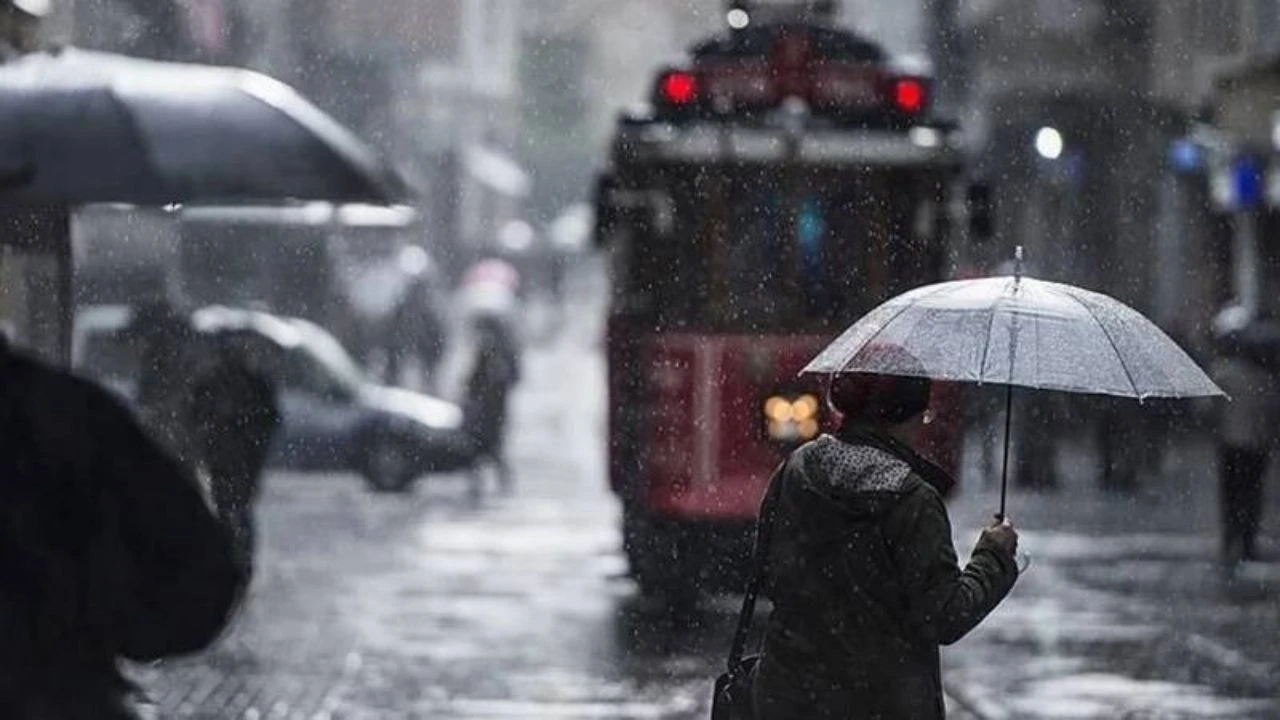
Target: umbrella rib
<point>1114,348</point>
<point>986,346</point>
<point>905,307</point>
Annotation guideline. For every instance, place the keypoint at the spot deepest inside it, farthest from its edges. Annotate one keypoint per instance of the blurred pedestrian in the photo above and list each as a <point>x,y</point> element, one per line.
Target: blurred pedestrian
<point>860,566</point>
<point>234,415</point>
<point>418,333</point>
<point>20,26</point>
<point>107,549</point>
<point>494,373</point>
<point>1246,435</point>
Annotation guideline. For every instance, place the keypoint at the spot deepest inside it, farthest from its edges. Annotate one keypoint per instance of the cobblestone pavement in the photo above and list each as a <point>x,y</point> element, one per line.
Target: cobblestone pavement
<point>431,606</point>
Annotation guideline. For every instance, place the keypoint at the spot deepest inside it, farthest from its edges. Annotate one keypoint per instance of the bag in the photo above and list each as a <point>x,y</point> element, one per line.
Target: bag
<point>733,696</point>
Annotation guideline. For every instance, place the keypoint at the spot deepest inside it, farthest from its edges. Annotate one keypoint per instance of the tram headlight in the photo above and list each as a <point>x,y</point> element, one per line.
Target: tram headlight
<point>790,419</point>
<point>779,409</point>
<point>805,407</point>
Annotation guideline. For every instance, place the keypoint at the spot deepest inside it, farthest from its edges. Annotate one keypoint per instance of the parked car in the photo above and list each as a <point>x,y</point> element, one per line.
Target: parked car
<point>334,416</point>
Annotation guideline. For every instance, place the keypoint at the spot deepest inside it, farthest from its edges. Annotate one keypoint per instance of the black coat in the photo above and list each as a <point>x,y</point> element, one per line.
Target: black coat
<point>865,585</point>
<point>108,549</point>
<point>235,414</point>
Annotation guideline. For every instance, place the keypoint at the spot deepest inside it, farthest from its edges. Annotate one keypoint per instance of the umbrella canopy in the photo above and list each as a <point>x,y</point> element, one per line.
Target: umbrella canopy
<point>1020,332</point>
<point>81,127</point>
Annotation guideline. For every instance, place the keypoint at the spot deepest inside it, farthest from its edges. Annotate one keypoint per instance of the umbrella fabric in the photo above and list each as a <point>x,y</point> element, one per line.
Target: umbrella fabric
<point>84,127</point>
<point>1020,332</point>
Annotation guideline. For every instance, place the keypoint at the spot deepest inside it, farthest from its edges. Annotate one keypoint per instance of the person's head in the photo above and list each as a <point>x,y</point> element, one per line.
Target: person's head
<point>896,403</point>
<point>490,329</point>
<point>20,22</point>
<point>1228,328</point>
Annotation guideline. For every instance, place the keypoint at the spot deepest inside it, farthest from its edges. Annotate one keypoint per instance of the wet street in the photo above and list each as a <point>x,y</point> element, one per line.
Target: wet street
<point>344,207</point>
<point>1125,611</point>
<point>431,605</point>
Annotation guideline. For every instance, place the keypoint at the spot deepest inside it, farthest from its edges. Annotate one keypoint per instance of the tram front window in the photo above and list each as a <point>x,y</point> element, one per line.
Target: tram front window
<point>750,252</point>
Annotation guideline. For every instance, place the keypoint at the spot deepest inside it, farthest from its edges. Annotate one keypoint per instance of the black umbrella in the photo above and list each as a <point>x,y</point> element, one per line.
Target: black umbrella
<point>81,127</point>
<point>86,127</point>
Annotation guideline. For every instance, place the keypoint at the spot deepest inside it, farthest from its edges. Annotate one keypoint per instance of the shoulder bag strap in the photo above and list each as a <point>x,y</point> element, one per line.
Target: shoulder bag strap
<point>768,513</point>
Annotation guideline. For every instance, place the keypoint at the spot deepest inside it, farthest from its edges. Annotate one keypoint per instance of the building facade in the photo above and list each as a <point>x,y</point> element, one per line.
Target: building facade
<point>1237,143</point>
<point>1122,205</point>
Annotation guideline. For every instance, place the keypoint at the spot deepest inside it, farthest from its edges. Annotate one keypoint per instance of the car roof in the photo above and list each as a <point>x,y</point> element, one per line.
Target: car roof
<point>287,332</point>
<point>218,319</point>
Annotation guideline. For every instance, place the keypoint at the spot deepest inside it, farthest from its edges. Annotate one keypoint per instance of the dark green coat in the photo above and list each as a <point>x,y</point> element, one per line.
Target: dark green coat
<point>865,584</point>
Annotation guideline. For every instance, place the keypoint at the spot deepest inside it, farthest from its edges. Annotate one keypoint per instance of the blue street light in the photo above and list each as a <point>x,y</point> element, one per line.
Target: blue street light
<point>1246,177</point>
<point>1186,155</point>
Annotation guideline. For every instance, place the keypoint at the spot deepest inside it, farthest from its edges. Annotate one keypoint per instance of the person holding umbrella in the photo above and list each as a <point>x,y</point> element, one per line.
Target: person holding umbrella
<point>861,567</point>
<point>863,577</point>
<point>234,414</point>
<point>109,549</point>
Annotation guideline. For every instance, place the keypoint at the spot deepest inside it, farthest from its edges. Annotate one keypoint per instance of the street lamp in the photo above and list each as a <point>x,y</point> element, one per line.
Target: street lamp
<point>1049,143</point>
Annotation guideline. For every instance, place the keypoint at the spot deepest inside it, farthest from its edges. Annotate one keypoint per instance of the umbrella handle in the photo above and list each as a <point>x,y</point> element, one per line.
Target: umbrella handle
<point>1004,474</point>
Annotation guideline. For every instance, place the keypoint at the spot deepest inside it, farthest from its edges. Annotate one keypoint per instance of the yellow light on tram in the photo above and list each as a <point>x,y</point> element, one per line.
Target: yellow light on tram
<point>805,408</point>
<point>808,429</point>
<point>792,420</point>
<point>779,409</point>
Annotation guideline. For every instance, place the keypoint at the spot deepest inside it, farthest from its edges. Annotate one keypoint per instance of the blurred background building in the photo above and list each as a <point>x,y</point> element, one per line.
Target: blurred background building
<point>500,109</point>
<point>1101,113</point>
<point>1129,142</point>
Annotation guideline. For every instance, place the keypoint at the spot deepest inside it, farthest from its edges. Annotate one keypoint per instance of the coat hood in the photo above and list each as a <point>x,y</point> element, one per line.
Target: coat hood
<point>858,480</point>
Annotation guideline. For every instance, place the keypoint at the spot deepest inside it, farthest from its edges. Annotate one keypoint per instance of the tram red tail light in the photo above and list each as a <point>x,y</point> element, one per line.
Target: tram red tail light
<point>909,95</point>
<point>746,86</point>
<point>679,87</point>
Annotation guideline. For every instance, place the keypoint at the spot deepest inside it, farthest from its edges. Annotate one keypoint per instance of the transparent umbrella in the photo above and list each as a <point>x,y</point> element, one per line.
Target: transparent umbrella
<point>1019,331</point>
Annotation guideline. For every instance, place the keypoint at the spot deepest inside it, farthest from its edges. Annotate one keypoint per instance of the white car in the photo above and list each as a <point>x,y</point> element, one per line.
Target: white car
<point>334,417</point>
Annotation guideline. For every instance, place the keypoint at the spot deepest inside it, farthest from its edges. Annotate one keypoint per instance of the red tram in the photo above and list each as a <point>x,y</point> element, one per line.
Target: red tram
<point>783,182</point>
